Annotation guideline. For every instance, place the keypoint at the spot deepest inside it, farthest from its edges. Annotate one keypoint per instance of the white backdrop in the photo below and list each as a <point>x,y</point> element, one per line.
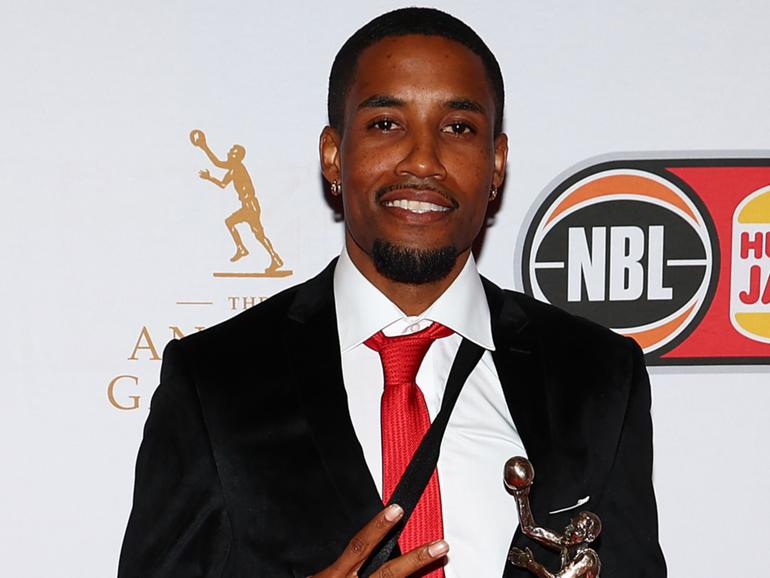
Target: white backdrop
<point>109,238</point>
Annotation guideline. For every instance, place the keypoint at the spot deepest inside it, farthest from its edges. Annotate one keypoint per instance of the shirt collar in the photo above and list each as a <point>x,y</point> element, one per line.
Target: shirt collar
<point>362,310</point>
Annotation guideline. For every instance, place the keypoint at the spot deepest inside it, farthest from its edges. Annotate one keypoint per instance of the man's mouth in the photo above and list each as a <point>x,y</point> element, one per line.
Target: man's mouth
<point>418,207</point>
<point>417,201</point>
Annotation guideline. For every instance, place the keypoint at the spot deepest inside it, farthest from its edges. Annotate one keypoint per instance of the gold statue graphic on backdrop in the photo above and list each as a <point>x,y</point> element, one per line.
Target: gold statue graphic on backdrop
<point>249,211</point>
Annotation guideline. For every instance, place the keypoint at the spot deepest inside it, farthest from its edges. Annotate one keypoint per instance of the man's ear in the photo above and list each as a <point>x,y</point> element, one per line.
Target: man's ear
<point>329,149</point>
<point>501,159</point>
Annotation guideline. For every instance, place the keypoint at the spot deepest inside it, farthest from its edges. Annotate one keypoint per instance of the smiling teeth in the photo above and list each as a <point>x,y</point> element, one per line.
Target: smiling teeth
<point>416,206</point>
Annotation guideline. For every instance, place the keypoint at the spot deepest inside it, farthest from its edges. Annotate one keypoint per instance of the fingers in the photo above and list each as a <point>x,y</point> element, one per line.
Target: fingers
<point>413,561</point>
<point>361,545</point>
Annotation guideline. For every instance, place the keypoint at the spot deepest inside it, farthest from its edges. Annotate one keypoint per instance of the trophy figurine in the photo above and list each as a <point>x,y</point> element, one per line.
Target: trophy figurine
<point>577,559</point>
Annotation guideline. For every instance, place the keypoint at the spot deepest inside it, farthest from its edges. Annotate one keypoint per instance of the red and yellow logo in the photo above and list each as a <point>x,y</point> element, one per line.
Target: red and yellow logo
<point>674,253</point>
<point>750,280</point>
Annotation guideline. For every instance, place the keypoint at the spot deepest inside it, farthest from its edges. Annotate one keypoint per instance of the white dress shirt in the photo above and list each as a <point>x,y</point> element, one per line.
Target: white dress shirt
<point>479,515</point>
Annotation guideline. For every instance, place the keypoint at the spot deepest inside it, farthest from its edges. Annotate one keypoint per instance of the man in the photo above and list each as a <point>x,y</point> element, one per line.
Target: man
<point>283,473</point>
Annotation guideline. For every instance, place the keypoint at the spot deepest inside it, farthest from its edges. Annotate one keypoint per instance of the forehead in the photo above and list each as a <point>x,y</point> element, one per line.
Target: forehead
<point>418,67</point>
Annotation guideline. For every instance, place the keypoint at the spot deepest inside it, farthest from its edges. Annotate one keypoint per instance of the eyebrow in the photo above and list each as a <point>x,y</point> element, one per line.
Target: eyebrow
<point>465,104</point>
<point>386,101</point>
<point>381,101</point>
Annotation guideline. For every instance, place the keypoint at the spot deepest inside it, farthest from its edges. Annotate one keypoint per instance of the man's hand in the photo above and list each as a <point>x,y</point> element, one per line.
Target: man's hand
<point>361,545</point>
<point>204,174</point>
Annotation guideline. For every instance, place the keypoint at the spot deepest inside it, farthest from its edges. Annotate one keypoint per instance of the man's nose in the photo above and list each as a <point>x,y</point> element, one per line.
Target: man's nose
<point>422,158</point>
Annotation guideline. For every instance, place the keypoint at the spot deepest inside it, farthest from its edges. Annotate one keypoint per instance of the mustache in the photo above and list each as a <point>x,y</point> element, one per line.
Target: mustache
<point>417,186</point>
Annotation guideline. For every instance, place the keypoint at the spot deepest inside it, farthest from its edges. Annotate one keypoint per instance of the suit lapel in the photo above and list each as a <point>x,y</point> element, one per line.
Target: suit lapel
<point>517,358</point>
<point>312,345</point>
<point>539,413</point>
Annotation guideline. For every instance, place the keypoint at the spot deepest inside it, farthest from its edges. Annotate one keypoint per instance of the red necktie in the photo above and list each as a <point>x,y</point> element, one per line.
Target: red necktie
<point>405,420</point>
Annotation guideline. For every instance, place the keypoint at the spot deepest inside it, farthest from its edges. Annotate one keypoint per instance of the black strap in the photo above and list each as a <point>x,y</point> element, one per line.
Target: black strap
<point>419,470</point>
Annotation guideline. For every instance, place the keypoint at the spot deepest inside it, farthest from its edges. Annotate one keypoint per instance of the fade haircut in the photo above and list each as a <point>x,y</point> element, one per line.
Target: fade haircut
<point>403,22</point>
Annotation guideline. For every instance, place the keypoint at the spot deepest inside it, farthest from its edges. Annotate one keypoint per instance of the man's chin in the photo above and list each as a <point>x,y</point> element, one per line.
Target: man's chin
<point>413,265</point>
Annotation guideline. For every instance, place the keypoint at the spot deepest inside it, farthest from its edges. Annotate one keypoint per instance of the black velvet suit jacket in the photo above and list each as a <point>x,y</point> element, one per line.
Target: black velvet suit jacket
<point>250,466</point>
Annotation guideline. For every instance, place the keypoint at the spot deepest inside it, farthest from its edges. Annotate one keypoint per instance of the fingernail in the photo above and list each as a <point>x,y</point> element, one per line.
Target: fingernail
<point>438,548</point>
<point>393,512</point>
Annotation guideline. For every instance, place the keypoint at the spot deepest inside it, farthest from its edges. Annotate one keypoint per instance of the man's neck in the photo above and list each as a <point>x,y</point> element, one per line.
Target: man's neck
<point>411,298</point>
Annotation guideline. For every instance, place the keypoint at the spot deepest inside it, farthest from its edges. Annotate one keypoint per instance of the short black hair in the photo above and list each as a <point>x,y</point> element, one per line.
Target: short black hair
<point>403,22</point>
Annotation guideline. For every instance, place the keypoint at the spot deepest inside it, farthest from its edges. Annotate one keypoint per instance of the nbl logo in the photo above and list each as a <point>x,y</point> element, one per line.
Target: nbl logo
<point>627,248</point>
<point>672,253</point>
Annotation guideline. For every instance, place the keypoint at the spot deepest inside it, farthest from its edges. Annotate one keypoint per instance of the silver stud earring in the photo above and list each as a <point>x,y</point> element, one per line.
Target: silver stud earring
<point>336,188</point>
<point>493,193</point>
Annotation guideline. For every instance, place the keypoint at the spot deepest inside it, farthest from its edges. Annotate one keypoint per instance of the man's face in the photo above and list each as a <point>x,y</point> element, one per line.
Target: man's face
<point>417,157</point>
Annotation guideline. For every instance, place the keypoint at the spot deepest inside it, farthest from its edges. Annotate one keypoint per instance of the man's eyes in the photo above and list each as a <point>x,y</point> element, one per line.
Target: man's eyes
<point>453,128</point>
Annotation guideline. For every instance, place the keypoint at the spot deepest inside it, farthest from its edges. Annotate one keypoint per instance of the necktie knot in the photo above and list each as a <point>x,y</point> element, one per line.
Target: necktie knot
<point>402,355</point>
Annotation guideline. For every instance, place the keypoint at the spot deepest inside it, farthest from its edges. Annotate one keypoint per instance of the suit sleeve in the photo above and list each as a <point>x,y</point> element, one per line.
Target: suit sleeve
<point>178,525</point>
<point>629,544</point>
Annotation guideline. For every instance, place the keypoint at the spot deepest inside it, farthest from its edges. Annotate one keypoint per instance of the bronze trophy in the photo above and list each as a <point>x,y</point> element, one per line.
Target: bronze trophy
<point>577,559</point>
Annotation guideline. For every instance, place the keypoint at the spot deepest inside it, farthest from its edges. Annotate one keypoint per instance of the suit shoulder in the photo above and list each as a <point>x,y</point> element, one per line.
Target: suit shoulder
<point>577,351</point>
<point>258,324</point>
<point>557,326</point>
<point>255,337</point>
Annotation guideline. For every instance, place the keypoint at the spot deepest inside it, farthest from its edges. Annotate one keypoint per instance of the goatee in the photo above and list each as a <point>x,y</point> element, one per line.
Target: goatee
<point>413,266</point>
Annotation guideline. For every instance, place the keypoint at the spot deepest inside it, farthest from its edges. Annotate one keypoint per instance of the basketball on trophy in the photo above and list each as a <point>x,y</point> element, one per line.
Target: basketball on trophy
<point>518,473</point>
